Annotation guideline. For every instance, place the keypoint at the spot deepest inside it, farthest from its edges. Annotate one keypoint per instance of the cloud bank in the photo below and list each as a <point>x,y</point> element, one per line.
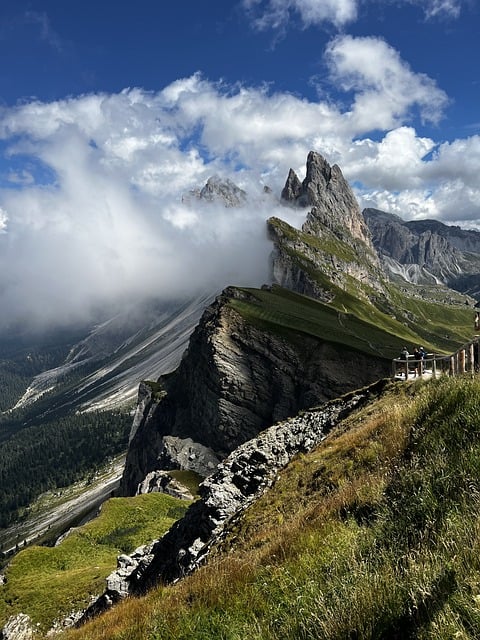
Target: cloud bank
<point>91,208</point>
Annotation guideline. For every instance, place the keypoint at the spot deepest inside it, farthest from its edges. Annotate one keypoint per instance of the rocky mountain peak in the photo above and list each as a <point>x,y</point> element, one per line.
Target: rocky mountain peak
<point>426,251</point>
<point>332,200</point>
<point>218,189</point>
<point>293,187</point>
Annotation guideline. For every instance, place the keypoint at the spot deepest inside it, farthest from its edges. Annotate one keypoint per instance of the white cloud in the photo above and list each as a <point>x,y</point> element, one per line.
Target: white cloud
<point>395,162</point>
<point>276,14</point>
<point>107,222</point>
<point>385,87</point>
<point>3,220</point>
<point>434,8</point>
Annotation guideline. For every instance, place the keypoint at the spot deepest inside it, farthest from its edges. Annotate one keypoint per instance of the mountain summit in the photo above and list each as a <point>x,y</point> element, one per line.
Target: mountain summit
<point>333,204</point>
<point>334,244</point>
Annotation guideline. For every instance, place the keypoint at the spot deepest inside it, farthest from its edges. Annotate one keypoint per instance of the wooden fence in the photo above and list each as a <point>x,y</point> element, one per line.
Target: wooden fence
<point>464,360</point>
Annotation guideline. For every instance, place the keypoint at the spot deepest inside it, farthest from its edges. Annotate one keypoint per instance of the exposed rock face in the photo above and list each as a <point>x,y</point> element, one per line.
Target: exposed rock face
<point>185,454</point>
<point>18,627</point>
<point>427,251</point>
<point>334,245</point>
<point>220,190</point>
<point>234,380</point>
<point>162,482</point>
<point>292,190</point>
<point>240,480</point>
<point>333,204</point>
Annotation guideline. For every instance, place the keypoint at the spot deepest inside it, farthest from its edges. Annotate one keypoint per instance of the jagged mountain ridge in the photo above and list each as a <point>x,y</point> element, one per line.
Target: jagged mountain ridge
<point>245,348</point>
<point>334,245</point>
<point>236,378</point>
<point>253,360</point>
<point>427,251</point>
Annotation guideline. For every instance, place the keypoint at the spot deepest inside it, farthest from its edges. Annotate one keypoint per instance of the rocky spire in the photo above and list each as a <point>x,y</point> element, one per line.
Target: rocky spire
<point>332,200</point>
<point>293,187</point>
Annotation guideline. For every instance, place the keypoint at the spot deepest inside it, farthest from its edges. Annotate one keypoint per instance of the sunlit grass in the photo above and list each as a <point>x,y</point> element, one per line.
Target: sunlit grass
<point>48,582</point>
<point>374,534</point>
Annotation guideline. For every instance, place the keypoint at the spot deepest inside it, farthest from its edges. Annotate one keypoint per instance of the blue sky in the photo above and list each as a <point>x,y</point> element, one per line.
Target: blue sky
<point>111,111</point>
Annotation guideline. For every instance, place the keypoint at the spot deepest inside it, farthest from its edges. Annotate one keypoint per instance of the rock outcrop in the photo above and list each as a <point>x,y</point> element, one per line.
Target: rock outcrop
<point>239,480</point>
<point>333,204</point>
<point>18,627</point>
<point>162,482</point>
<point>236,379</point>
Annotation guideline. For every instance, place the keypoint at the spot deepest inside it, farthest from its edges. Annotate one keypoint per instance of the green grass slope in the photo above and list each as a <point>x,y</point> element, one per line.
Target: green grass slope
<point>356,323</point>
<point>375,534</point>
<point>50,582</point>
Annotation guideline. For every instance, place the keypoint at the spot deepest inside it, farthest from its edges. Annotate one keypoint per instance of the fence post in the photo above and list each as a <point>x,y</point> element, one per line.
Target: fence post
<point>461,361</point>
<point>471,358</point>
<point>434,367</point>
<point>451,370</point>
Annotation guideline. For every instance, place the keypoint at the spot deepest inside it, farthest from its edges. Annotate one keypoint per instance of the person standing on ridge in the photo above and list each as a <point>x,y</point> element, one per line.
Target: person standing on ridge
<point>404,356</point>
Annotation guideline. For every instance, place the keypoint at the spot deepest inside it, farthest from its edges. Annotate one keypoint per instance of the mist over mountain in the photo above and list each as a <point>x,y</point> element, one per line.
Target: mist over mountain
<point>72,266</point>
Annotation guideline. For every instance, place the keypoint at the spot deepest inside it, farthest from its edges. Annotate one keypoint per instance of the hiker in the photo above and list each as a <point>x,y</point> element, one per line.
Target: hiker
<point>477,320</point>
<point>423,355</point>
<point>404,356</point>
<point>417,361</point>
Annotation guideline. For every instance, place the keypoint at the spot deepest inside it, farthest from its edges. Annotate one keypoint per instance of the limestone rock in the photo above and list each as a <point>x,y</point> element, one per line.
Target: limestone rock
<point>333,204</point>
<point>187,455</point>
<point>236,379</point>
<point>219,190</point>
<point>293,188</point>
<point>334,245</point>
<point>426,251</point>
<point>18,627</point>
<point>162,482</point>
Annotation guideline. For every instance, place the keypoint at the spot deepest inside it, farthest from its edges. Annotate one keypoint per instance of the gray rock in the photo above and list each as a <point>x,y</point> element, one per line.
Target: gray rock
<point>293,188</point>
<point>18,627</point>
<point>219,190</point>
<point>162,482</point>
<point>187,455</point>
<point>236,379</point>
<point>426,251</point>
<point>333,204</point>
<point>334,245</point>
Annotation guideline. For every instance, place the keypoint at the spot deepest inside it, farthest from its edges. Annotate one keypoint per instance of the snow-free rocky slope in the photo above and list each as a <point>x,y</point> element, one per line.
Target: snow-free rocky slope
<point>426,251</point>
<point>330,323</point>
<point>258,357</point>
<point>114,355</point>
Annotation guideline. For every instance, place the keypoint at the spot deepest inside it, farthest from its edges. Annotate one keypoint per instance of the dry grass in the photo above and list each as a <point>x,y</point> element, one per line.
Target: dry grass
<point>376,531</point>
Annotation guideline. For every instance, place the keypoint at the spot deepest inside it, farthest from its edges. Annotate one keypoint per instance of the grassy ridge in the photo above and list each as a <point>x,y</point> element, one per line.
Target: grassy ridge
<point>356,323</point>
<point>375,534</point>
<point>50,582</point>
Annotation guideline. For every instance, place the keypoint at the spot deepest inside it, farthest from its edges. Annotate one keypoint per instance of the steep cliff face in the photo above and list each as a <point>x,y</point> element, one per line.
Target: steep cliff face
<point>235,379</point>
<point>428,250</point>
<point>334,244</point>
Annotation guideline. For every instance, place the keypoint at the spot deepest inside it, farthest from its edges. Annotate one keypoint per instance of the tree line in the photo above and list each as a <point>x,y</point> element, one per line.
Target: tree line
<point>55,454</point>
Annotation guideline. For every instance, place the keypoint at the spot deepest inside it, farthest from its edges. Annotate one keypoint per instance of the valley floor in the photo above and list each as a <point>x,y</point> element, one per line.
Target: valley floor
<point>56,511</point>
